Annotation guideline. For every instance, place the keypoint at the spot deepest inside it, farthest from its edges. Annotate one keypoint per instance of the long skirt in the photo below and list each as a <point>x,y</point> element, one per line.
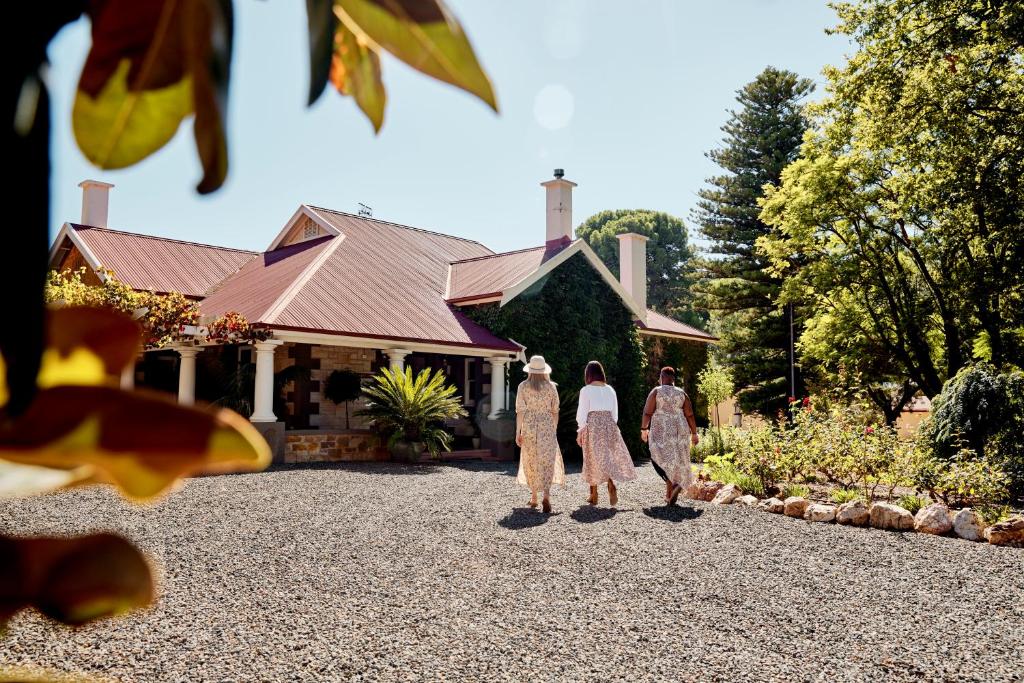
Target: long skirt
<point>605,455</point>
<point>540,460</point>
<point>669,440</point>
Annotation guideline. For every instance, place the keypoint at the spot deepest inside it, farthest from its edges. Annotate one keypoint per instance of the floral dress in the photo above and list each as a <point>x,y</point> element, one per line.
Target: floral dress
<point>605,455</point>
<point>540,460</point>
<point>669,437</point>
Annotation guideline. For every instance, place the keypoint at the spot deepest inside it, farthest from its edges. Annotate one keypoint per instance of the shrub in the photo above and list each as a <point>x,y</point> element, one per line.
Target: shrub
<point>840,496</point>
<point>911,503</point>
<point>993,514</point>
<point>981,410</point>
<point>791,489</point>
<point>965,481</point>
<point>343,386</point>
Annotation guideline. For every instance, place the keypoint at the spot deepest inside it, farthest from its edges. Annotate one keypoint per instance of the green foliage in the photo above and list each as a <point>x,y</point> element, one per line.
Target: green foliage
<point>597,326</point>
<point>689,358</point>
<point>669,255</point>
<point>161,315</point>
<point>761,137</point>
<point>911,503</point>
<point>993,514</point>
<point>343,386</point>
<point>411,409</point>
<point>790,489</point>
<point>905,210</point>
<point>982,410</point>
<point>715,385</point>
<point>840,496</point>
<point>722,468</point>
<point>966,480</point>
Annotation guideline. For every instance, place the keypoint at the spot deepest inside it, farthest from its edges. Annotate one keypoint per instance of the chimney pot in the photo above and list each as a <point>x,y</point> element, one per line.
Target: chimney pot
<point>95,202</point>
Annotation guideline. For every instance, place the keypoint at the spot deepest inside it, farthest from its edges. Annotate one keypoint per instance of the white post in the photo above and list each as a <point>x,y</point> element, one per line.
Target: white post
<point>396,358</point>
<point>263,400</point>
<point>497,386</point>
<point>128,376</point>
<point>187,374</point>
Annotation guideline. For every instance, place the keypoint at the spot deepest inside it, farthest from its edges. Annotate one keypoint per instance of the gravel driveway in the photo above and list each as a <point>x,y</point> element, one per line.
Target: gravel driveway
<point>383,572</point>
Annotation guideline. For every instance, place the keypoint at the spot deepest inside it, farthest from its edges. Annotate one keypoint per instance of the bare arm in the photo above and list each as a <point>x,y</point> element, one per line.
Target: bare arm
<point>649,407</point>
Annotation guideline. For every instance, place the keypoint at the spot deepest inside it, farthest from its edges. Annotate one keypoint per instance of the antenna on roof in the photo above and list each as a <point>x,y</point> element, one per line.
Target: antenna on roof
<point>365,210</point>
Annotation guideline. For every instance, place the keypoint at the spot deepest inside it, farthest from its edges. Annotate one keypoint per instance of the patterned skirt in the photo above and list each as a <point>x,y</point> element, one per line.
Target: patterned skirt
<point>605,455</point>
<point>540,460</point>
<point>669,440</point>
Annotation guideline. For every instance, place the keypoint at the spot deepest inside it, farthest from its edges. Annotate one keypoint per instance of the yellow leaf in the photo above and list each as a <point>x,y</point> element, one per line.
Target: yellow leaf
<point>142,442</point>
<point>80,367</point>
<point>424,35</point>
<point>355,71</point>
<point>120,127</point>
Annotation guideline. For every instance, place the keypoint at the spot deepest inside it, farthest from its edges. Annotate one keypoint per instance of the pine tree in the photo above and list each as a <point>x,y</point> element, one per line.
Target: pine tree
<point>762,136</point>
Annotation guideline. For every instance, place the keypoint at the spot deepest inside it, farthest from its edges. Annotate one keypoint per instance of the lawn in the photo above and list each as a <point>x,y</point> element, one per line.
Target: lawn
<point>385,572</point>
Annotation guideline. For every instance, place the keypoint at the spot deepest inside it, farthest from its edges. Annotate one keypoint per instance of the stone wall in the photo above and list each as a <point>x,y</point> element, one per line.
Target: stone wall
<point>329,446</point>
<point>330,415</point>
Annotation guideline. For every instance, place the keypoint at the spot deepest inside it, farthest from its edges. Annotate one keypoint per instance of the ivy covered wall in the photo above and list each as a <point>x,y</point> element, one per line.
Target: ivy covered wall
<point>688,358</point>
<point>571,317</point>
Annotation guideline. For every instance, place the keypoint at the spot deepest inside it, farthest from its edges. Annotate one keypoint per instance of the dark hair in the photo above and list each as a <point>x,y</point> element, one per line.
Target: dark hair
<point>668,372</point>
<point>594,372</point>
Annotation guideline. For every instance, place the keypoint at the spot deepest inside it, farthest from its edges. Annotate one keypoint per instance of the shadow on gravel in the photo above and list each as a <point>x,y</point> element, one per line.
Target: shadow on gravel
<point>588,514</point>
<point>672,513</point>
<point>524,518</point>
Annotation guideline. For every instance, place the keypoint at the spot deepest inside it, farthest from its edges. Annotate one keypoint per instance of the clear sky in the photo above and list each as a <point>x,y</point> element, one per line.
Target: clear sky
<point>626,96</point>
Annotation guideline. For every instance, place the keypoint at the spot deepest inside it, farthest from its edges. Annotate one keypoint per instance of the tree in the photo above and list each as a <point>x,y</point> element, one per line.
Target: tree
<point>669,255</point>
<point>343,386</point>
<point>734,283</point>
<point>715,385</point>
<point>907,204</point>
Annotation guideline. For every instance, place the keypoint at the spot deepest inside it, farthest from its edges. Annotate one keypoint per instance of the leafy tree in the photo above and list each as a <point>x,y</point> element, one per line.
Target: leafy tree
<point>343,386</point>
<point>734,283</point>
<point>716,385</point>
<point>669,255</point>
<point>907,204</point>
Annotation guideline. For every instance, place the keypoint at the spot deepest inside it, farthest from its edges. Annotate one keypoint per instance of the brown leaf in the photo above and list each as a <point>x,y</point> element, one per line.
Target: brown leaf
<point>112,336</point>
<point>72,580</point>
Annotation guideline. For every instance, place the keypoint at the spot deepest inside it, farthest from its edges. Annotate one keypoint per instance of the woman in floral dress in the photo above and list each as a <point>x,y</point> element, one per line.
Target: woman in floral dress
<point>669,428</point>
<point>540,461</point>
<point>605,456</point>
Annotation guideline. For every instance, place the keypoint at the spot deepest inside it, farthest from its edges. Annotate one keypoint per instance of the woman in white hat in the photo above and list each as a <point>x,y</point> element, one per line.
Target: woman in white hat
<point>540,461</point>
<point>606,459</point>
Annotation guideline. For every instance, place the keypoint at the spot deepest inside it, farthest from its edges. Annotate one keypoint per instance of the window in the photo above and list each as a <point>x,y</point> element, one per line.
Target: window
<point>472,381</point>
<point>310,230</point>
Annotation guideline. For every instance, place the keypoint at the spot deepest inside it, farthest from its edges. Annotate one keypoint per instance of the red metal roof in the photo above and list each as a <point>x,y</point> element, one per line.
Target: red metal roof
<point>656,322</point>
<point>160,264</point>
<point>490,275</point>
<point>376,279</point>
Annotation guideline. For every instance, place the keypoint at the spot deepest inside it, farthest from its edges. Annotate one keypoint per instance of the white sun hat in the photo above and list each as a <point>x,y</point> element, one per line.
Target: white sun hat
<point>537,366</point>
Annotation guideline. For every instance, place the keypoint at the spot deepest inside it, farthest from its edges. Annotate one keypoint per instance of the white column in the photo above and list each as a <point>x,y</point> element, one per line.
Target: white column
<point>497,386</point>
<point>128,376</point>
<point>263,400</point>
<point>187,374</point>
<point>396,358</point>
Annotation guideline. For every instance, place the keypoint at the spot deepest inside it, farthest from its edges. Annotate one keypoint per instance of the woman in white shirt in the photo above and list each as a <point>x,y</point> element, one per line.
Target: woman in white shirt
<point>605,456</point>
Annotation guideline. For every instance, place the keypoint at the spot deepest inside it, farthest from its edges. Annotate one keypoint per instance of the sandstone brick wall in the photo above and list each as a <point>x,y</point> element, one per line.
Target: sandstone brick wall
<point>330,446</point>
<point>332,416</point>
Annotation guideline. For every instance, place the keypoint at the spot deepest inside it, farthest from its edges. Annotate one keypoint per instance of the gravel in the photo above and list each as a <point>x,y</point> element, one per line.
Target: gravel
<point>385,572</point>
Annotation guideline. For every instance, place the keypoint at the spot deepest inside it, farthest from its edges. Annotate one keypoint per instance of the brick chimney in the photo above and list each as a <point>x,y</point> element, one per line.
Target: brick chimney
<point>95,201</point>
<point>559,208</point>
<point>633,266</point>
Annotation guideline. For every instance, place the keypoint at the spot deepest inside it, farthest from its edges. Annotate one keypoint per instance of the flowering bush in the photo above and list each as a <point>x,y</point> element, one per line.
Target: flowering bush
<point>161,315</point>
<point>234,327</point>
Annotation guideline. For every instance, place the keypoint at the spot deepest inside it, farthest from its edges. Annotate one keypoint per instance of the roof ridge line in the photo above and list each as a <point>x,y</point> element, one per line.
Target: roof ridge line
<point>500,253</point>
<point>291,291</point>
<point>77,226</point>
<point>398,225</point>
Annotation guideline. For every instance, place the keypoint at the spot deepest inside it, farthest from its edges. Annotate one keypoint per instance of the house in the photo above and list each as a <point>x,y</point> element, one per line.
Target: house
<point>342,291</point>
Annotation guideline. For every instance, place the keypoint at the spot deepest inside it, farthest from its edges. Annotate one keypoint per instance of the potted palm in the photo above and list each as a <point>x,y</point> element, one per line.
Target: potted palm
<point>410,411</point>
